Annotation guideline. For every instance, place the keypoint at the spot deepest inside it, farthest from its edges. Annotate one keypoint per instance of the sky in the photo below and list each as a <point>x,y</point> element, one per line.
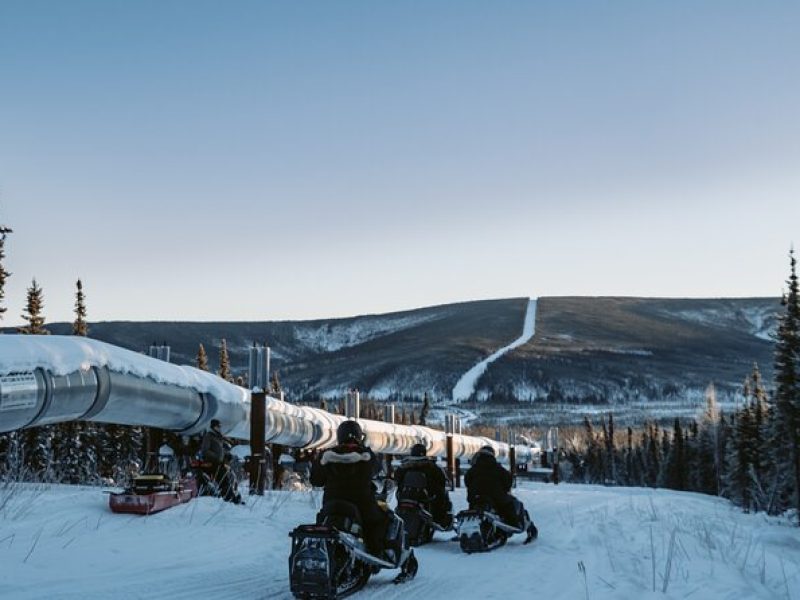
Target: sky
<point>204,160</point>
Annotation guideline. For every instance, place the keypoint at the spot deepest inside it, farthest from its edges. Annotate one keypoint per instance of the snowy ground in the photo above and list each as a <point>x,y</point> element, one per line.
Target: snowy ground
<point>63,542</point>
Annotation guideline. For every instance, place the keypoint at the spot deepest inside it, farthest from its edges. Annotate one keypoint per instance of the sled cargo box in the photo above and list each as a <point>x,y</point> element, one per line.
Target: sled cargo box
<point>146,503</point>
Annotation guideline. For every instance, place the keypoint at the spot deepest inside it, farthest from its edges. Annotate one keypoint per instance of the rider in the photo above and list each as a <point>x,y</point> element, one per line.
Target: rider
<point>436,483</point>
<point>346,472</point>
<point>488,480</point>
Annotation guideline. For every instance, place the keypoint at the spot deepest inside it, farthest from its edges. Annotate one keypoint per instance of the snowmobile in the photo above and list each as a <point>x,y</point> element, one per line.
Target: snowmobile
<point>330,560</point>
<point>414,507</point>
<point>480,529</point>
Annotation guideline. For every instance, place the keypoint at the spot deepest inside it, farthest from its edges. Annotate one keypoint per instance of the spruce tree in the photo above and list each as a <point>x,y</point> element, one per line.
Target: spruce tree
<point>80,327</point>
<point>202,358</point>
<point>34,315</point>
<point>785,419</point>
<point>594,455</point>
<point>426,407</point>
<point>708,448</point>
<point>275,384</point>
<point>740,459</point>
<point>653,457</point>
<point>74,459</point>
<point>611,451</point>
<point>631,474</point>
<point>676,462</point>
<point>38,452</point>
<point>224,363</point>
<point>759,409</point>
<point>4,275</point>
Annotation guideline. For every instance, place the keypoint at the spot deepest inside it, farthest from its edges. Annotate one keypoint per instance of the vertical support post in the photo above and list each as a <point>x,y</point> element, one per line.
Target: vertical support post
<point>258,460</point>
<point>451,464</point>
<point>252,367</point>
<point>512,462</point>
<point>277,470</point>
<point>455,428</point>
<point>555,456</point>
<point>352,405</point>
<point>388,417</point>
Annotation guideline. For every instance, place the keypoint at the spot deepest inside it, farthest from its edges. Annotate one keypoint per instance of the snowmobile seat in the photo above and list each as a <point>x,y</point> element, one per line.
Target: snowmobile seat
<point>342,515</point>
<point>415,487</point>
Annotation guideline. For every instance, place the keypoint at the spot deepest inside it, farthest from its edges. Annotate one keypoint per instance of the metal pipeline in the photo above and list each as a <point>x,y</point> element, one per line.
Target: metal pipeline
<point>53,379</point>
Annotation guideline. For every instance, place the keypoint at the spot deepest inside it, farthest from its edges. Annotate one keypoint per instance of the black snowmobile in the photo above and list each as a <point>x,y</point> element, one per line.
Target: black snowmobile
<point>480,529</point>
<point>330,560</point>
<point>414,507</point>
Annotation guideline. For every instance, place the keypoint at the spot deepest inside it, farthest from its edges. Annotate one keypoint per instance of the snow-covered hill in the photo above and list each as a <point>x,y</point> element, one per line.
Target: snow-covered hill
<point>62,542</point>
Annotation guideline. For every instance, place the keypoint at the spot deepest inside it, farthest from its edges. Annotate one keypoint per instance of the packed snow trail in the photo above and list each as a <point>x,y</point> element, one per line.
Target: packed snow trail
<point>465,386</point>
<point>63,543</point>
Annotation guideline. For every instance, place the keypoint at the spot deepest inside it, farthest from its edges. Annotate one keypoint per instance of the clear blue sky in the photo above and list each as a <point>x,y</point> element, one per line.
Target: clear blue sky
<point>257,160</point>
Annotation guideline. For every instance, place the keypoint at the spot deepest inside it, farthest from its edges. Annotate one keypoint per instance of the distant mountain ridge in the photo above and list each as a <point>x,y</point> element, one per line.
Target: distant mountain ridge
<point>585,350</point>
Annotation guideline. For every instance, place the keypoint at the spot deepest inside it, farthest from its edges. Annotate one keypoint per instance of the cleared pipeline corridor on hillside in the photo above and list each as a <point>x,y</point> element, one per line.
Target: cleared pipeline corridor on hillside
<point>465,386</point>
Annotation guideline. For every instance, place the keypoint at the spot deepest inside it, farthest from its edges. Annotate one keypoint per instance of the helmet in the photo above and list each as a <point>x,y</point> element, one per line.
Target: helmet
<point>349,432</point>
<point>215,423</point>
<point>487,450</point>
<point>418,450</point>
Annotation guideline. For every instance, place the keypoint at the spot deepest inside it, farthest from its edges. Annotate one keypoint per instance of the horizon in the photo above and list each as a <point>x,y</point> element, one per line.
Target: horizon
<point>269,162</point>
<point>403,310</point>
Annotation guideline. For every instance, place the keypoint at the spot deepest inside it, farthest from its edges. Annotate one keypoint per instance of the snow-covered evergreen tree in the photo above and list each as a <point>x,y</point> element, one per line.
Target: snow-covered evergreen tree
<point>202,358</point>
<point>225,363</point>
<point>736,481</point>
<point>707,450</point>
<point>38,452</point>
<point>785,409</point>
<point>4,275</point>
<point>75,460</point>
<point>33,314</point>
<point>426,407</point>
<point>676,468</point>
<point>594,454</point>
<point>275,384</point>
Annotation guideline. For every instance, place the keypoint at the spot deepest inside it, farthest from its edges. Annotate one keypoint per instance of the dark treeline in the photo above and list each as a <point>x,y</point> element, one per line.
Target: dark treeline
<point>751,457</point>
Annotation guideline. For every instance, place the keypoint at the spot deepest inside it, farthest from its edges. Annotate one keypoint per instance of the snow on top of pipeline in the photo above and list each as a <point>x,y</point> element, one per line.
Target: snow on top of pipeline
<point>62,354</point>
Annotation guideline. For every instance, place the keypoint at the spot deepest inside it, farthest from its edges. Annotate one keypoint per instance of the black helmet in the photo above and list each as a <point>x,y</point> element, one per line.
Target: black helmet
<point>349,432</point>
<point>215,423</point>
<point>487,450</point>
<point>418,450</point>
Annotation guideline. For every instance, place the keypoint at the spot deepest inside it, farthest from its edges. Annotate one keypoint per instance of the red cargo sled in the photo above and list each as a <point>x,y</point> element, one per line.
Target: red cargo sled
<point>150,494</point>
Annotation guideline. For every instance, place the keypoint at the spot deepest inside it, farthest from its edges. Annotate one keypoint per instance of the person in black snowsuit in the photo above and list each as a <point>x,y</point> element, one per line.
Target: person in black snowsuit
<point>487,480</point>
<point>346,472</point>
<point>215,451</point>
<point>436,481</point>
